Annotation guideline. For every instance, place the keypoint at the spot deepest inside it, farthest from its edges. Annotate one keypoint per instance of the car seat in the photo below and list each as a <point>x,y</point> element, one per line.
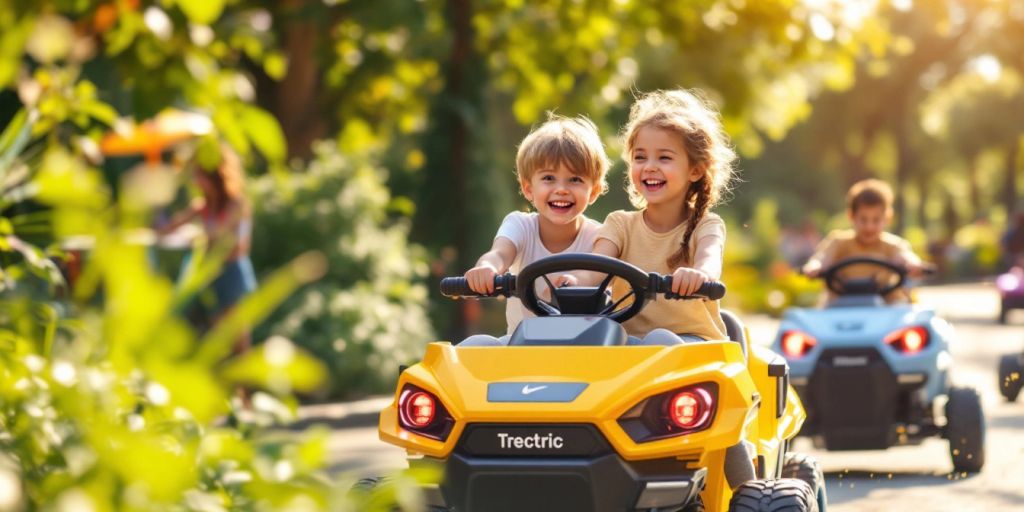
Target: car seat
<point>734,329</point>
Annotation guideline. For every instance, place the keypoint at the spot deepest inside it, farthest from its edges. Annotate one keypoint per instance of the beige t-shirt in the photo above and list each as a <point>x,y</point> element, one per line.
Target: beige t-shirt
<point>641,246</point>
<point>842,244</point>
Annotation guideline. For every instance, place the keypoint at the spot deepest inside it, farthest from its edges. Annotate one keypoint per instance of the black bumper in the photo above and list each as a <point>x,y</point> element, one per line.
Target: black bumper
<point>588,477</point>
<point>854,401</point>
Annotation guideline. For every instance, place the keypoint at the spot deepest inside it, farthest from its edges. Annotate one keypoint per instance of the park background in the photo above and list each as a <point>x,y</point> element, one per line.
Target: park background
<point>379,138</point>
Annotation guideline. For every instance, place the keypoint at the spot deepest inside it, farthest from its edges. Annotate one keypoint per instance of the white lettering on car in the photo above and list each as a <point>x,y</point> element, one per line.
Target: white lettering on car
<point>533,442</point>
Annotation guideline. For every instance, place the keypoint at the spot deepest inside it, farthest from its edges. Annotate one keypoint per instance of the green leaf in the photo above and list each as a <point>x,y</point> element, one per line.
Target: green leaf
<point>12,47</point>
<point>208,152</point>
<point>227,124</point>
<point>203,12</point>
<point>276,65</point>
<point>100,111</point>
<point>265,132</point>
<point>14,138</point>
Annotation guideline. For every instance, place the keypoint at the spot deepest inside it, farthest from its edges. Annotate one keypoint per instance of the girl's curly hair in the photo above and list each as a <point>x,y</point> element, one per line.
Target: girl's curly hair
<point>690,115</point>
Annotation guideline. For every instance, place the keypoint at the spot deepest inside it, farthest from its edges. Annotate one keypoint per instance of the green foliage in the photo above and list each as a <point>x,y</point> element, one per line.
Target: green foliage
<point>977,250</point>
<point>110,401</point>
<point>927,97</point>
<point>152,57</point>
<point>367,315</point>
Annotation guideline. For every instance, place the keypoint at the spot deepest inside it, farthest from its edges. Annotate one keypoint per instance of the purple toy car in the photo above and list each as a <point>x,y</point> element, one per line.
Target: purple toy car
<point>1011,291</point>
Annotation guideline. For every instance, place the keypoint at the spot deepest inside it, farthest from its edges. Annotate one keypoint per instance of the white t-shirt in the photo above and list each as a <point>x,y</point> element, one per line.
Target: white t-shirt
<point>523,230</point>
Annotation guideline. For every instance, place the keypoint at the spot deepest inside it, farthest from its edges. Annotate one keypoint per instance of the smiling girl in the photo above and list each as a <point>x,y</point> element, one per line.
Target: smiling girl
<point>680,163</point>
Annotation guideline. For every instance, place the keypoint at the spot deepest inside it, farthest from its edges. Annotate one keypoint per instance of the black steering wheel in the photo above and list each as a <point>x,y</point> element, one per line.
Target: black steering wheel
<point>863,285</point>
<point>639,282</point>
<point>581,300</point>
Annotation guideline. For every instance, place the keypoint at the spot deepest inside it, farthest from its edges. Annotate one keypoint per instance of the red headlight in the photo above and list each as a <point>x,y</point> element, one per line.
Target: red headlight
<point>690,409</point>
<point>419,409</point>
<point>421,412</point>
<point>910,340</point>
<point>673,413</point>
<point>795,343</point>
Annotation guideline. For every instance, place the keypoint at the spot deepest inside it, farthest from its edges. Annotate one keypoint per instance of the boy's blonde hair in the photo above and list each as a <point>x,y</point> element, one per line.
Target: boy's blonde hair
<point>869,192</point>
<point>572,142</point>
<point>690,115</point>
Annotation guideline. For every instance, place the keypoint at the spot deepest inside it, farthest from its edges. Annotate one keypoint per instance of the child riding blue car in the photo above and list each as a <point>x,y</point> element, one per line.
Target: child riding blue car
<point>872,368</point>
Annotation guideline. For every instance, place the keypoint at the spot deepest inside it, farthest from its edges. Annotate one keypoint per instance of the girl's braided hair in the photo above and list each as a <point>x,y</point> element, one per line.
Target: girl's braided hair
<point>696,120</point>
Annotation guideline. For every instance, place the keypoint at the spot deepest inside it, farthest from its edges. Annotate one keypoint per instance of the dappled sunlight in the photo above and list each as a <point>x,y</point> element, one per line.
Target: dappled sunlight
<point>380,145</point>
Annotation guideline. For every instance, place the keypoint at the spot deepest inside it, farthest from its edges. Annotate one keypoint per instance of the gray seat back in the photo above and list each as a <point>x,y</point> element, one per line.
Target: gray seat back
<point>734,329</point>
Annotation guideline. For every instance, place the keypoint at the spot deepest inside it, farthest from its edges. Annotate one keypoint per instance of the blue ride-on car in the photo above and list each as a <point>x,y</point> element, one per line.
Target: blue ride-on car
<point>873,374</point>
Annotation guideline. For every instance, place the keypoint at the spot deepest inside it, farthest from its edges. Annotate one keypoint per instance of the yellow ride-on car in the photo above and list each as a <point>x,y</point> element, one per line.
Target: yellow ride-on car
<point>571,414</point>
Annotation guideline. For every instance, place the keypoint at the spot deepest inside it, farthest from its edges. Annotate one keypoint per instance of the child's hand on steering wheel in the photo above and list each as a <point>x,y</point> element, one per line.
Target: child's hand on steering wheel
<point>686,281</point>
<point>812,269</point>
<point>915,270</point>
<point>566,280</point>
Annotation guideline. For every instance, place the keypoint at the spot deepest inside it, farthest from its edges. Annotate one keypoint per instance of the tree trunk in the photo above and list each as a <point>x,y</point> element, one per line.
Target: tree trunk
<point>295,102</point>
<point>923,194</point>
<point>950,217</point>
<point>904,164</point>
<point>442,220</point>
<point>973,187</point>
<point>853,167</point>
<point>1012,167</point>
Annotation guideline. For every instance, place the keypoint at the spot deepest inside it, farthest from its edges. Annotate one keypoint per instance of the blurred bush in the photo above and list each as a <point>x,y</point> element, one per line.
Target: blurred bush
<point>975,250</point>
<point>108,399</point>
<point>368,314</point>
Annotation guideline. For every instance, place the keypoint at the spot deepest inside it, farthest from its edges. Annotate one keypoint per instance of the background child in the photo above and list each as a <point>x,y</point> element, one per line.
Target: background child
<point>226,217</point>
<point>869,208</point>
<point>680,163</point>
<point>561,167</point>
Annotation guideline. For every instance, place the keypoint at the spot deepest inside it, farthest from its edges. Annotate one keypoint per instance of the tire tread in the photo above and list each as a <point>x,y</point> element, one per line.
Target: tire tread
<point>782,495</point>
<point>965,430</point>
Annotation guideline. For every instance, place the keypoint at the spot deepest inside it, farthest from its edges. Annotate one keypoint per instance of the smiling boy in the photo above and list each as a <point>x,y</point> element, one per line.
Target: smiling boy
<point>561,167</point>
<point>869,208</point>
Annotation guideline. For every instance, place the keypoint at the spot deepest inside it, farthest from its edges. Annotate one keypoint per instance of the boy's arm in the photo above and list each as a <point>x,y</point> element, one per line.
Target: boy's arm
<point>493,262</point>
<point>908,258</point>
<point>602,246</point>
<point>822,258</point>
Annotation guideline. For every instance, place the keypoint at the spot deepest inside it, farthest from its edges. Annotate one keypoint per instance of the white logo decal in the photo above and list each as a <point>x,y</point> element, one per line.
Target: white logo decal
<point>527,390</point>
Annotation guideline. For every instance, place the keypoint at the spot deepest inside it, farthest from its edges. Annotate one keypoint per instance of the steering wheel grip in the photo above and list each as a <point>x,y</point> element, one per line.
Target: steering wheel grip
<point>713,290</point>
<point>455,287</point>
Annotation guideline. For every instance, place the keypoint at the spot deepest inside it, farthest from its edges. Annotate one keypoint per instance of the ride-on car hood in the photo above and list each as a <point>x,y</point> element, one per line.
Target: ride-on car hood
<point>867,322</point>
<point>594,385</point>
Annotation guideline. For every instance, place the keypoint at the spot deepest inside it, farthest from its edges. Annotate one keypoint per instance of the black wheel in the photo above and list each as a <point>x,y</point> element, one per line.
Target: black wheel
<point>965,430</point>
<point>782,495</point>
<point>806,468</point>
<point>1010,377</point>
